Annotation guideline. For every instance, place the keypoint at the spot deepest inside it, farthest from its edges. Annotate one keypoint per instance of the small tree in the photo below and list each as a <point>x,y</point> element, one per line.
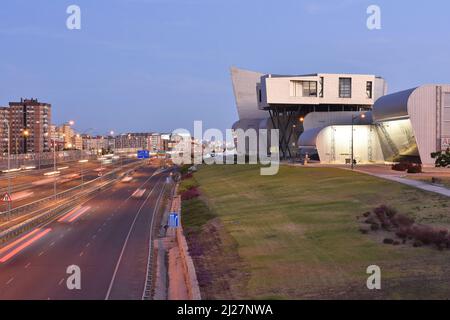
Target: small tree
<point>442,158</point>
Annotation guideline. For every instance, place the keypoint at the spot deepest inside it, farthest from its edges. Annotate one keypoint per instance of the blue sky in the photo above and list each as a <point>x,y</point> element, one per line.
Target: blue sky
<point>157,65</point>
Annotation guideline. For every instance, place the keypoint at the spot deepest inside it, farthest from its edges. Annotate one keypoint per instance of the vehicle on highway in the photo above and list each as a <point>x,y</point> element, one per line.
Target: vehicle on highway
<point>127,179</point>
<point>138,193</point>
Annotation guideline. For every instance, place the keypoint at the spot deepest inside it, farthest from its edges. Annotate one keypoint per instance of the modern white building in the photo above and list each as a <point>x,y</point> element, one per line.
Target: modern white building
<point>331,115</point>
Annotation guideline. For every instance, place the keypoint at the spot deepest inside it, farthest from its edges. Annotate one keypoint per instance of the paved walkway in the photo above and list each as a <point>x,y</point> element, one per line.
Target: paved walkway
<point>413,183</point>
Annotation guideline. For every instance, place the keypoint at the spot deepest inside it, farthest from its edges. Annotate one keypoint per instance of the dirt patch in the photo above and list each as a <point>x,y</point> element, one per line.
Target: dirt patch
<point>220,270</point>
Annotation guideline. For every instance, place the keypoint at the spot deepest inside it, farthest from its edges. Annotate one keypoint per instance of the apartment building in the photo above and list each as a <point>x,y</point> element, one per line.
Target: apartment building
<point>133,140</point>
<point>4,118</point>
<point>94,143</point>
<point>29,122</point>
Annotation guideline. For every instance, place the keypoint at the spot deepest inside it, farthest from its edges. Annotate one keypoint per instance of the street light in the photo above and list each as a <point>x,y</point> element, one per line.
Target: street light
<point>359,116</point>
<point>52,139</point>
<point>81,170</point>
<point>9,165</point>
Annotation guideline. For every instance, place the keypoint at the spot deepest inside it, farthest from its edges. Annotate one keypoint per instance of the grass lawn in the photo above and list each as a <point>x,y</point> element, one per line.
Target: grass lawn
<point>295,235</point>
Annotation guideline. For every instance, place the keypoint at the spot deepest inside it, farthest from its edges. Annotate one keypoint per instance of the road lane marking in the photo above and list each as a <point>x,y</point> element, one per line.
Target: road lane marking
<point>52,244</point>
<point>9,281</point>
<point>27,265</point>
<point>24,245</point>
<point>150,248</point>
<point>81,254</point>
<point>88,244</point>
<point>60,281</point>
<point>126,241</point>
<point>41,253</point>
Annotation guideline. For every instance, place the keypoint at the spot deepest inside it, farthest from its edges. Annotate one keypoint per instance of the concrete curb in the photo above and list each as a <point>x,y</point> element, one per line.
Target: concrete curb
<point>188,265</point>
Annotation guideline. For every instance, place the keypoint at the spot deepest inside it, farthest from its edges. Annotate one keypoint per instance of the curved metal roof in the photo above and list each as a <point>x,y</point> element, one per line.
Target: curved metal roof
<point>309,137</point>
<point>392,106</point>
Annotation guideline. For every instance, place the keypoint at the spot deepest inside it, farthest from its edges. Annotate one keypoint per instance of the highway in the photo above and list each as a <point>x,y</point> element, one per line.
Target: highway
<point>107,236</point>
<point>36,186</point>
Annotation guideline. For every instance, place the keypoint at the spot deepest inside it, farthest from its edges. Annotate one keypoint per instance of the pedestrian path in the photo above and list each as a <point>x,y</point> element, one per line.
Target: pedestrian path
<point>413,183</point>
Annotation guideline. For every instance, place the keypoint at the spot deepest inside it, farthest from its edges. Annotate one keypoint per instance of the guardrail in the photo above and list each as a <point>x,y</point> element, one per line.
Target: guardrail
<point>43,214</point>
<point>24,186</point>
<point>5,215</point>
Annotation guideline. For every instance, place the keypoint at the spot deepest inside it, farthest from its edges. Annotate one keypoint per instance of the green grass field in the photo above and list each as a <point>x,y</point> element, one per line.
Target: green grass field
<point>295,235</point>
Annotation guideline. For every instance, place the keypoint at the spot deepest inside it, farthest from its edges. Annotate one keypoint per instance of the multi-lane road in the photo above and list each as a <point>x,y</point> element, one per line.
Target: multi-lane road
<point>35,185</point>
<point>107,237</point>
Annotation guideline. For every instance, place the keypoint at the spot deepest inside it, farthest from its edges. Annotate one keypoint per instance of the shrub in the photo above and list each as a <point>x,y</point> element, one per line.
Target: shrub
<point>186,176</point>
<point>442,158</point>
<point>190,194</point>
<point>400,220</point>
<point>384,215</point>
<point>402,166</point>
<point>416,168</point>
<point>407,166</point>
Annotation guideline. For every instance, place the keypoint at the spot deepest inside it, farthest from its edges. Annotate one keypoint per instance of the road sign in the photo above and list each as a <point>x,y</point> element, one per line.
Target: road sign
<point>6,197</point>
<point>143,154</point>
<point>173,220</point>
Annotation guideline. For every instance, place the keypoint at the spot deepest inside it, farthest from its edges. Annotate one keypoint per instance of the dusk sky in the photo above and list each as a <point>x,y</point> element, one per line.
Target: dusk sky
<point>157,65</point>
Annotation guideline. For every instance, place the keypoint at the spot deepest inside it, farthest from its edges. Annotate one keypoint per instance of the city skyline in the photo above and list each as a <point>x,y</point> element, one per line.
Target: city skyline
<point>173,64</point>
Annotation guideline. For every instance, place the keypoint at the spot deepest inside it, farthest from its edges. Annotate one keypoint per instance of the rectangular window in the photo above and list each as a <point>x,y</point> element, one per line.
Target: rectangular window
<point>309,88</point>
<point>369,89</point>
<point>296,88</point>
<point>259,95</point>
<point>345,87</point>
<point>321,87</point>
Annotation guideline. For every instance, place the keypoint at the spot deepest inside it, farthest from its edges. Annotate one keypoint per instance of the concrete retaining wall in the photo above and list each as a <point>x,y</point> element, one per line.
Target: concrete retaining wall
<point>188,265</point>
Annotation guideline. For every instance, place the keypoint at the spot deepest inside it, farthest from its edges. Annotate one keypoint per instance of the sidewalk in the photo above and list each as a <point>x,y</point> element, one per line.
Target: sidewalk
<point>413,183</point>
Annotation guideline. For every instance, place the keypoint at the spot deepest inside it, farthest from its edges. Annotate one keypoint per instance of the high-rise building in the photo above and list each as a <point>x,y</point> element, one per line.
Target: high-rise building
<point>29,122</point>
<point>4,118</point>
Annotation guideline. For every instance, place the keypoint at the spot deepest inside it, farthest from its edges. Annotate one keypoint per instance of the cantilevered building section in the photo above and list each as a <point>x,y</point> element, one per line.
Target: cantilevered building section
<point>283,101</point>
<point>244,88</point>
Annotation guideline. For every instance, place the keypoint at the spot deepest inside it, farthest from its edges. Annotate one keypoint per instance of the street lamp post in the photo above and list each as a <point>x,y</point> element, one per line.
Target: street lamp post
<point>9,165</point>
<point>359,116</point>
<point>54,166</point>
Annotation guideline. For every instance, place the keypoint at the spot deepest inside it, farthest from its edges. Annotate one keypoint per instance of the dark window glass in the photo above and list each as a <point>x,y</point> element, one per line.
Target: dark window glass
<point>309,88</point>
<point>369,89</point>
<point>345,87</point>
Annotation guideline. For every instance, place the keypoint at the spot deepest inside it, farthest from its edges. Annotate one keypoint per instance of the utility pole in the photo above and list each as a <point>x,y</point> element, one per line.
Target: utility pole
<point>9,165</point>
<point>362,116</point>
